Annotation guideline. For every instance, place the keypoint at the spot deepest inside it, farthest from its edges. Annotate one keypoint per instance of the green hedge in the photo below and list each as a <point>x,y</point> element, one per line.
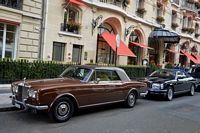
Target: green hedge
<point>13,70</point>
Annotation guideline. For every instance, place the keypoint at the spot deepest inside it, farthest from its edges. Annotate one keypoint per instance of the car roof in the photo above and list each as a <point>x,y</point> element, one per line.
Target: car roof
<point>98,67</point>
<point>171,69</point>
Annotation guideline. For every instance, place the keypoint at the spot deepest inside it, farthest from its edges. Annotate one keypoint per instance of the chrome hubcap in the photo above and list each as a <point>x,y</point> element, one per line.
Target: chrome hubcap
<point>63,109</point>
<point>192,90</point>
<point>131,99</point>
<point>170,94</point>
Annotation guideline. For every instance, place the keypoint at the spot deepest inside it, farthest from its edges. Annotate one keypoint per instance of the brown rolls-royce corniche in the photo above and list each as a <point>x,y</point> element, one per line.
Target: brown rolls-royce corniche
<point>79,86</point>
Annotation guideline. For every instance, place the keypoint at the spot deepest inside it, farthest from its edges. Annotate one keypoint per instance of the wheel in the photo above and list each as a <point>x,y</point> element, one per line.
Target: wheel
<point>170,94</point>
<point>192,90</point>
<point>61,110</point>
<point>130,100</point>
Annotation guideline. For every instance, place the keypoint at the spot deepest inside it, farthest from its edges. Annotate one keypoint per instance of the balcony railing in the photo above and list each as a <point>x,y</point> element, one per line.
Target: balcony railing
<point>176,2</point>
<point>66,28</point>
<point>118,3</point>
<point>189,6</point>
<point>16,4</point>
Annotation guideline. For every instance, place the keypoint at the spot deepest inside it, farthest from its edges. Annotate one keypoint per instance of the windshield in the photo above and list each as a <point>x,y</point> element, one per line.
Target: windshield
<point>195,70</point>
<point>77,73</point>
<point>163,74</point>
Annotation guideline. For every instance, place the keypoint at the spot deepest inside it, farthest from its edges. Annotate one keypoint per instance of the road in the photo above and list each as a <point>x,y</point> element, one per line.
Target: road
<point>181,115</point>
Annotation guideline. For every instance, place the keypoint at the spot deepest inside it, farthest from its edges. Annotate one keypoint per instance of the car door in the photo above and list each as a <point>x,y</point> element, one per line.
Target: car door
<point>182,81</point>
<point>102,88</point>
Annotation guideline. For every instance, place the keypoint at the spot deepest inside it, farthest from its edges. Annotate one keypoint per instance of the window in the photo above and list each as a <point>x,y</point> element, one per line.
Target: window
<point>8,40</point>
<point>159,9</point>
<point>189,22</point>
<point>70,16</point>
<point>181,75</point>
<point>58,51</point>
<point>105,75</point>
<point>139,3</point>
<point>174,16</point>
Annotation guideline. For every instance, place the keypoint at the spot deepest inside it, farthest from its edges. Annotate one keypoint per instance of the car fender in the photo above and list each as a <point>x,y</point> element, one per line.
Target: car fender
<point>135,90</point>
<point>69,95</point>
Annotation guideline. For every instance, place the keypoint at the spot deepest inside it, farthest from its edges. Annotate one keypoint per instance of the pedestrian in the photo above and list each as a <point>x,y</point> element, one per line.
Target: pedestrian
<point>177,66</point>
<point>183,67</point>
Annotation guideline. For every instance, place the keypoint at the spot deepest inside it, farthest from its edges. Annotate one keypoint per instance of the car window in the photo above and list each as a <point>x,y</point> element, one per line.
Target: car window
<point>181,74</point>
<point>163,74</point>
<point>105,75</point>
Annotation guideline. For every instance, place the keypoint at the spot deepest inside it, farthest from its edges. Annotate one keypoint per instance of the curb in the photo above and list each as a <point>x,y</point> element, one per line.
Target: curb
<point>5,86</point>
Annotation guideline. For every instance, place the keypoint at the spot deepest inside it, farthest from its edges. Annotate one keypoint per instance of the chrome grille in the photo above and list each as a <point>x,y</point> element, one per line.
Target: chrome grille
<point>22,93</point>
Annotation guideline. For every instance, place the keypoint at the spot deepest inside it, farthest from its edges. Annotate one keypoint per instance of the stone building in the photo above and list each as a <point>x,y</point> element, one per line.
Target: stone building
<point>20,24</point>
<point>86,31</point>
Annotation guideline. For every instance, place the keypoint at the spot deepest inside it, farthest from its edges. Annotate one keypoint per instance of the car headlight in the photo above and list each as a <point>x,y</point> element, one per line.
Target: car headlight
<point>15,89</point>
<point>157,86</point>
<point>33,94</point>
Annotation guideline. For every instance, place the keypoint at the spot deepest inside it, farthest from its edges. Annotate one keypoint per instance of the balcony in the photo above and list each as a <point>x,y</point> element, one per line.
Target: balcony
<point>66,28</point>
<point>15,4</point>
<point>119,3</point>
<point>189,6</point>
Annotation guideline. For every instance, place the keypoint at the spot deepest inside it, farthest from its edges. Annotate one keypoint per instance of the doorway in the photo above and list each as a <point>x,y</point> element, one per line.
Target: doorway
<point>76,53</point>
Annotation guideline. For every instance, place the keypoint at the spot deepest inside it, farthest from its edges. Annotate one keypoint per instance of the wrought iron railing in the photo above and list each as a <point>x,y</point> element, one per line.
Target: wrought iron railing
<point>66,28</point>
<point>16,4</point>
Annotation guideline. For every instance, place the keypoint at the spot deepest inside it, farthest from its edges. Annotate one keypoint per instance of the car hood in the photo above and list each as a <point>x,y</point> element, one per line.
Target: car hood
<point>154,79</point>
<point>195,75</point>
<point>50,83</point>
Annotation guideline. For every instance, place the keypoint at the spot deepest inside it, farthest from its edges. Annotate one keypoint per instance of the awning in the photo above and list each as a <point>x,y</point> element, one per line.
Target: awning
<point>78,2</point>
<point>140,45</point>
<point>122,50</point>
<point>190,57</point>
<point>197,56</point>
<point>169,37</point>
<point>172,51</point>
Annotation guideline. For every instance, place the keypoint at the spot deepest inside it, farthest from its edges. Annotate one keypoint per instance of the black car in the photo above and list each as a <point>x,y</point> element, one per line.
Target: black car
<point>194,71</point>
<point>170,82</point>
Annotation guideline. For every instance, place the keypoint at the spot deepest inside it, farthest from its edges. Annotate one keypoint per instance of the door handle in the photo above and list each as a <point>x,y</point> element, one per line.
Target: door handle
<point>111,85</point>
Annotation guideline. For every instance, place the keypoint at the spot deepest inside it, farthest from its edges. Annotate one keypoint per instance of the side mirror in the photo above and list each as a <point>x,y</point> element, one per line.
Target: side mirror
<point>179,78</point>
<point>97,81</point>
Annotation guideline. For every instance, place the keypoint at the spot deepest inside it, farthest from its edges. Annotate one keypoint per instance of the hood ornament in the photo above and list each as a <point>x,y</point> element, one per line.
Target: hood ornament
<point>24,80</point>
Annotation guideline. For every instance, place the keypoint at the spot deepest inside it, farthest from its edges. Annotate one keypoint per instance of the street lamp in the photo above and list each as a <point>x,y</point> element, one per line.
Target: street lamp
<point>95,22</point>
<point>127,31</point>
<point>100,29</point>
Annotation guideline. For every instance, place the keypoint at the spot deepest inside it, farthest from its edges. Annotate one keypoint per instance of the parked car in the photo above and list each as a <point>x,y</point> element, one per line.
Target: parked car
<point>194,71</point>
<point>79,86</point>
<point>170,82</point>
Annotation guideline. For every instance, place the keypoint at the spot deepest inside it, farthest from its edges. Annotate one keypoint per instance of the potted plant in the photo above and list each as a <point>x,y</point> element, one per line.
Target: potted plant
<point>197,4</point>
<point>73,26</point>
<point>191,1</point>
<point>169,65</point>
<point>174,25</point>
<point>160,19</point>
<point>126,2</point>
<point>196,35</point>
<point>141,10</point>
<point>191,30</point>
<point>184,29</point>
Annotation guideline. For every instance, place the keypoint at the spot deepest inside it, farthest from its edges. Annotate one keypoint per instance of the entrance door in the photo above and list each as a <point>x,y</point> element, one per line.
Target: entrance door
<point>76,53</point>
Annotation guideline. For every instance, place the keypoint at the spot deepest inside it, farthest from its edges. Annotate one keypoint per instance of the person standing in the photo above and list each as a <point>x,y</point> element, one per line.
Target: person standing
<point>183,67</point>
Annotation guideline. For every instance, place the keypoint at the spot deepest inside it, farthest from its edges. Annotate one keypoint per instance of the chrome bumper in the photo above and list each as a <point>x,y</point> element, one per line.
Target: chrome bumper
<point>143,94</point>
<point>26,105</point>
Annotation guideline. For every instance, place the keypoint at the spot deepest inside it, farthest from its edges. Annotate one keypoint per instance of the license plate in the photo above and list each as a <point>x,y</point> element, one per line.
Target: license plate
<point>17,105</point>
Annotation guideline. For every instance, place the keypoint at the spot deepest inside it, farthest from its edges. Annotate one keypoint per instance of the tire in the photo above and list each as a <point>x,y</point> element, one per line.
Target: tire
<point>192,90</point>
<point>130,100</point>
<point>62,110</point>
<point>170,94</point>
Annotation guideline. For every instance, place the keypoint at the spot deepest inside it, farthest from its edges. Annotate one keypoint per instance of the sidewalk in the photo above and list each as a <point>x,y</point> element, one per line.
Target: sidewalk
<point>5,102</point>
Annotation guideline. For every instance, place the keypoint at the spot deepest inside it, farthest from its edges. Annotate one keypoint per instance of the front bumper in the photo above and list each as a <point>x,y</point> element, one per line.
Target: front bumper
<point>157,92</point>
<point>143,94</point>
<point>26,105</point>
